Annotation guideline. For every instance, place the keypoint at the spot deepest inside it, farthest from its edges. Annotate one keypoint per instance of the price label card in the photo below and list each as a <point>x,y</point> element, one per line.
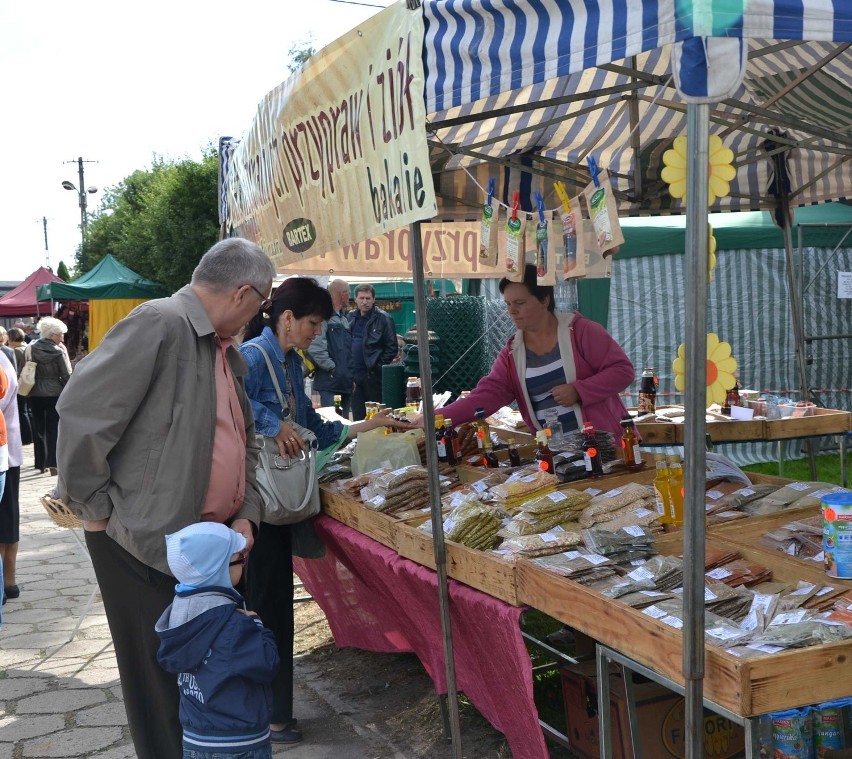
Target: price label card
<point>672,622</point>
<point>641,513</point>
<point>719,573</point>
<point>798,486</point>
<point>714,495</point>
<point>557,497</point>
<point>596,558</point>
<point>640,575</point>
<point>788,617</point>
<point>723,633</point>
<point>650,593</point>
<point>709,595</point>
<point>765,648</point>
<point>550,536</point>
<point>824,590</point>
<point>634,530</point>
<point>803,591</point>
<point>653,611</point>
<point>593,491</point>
<point>612,493</point>
<point>480,486</point>
<point>745,491</point>
<point>572,554</point>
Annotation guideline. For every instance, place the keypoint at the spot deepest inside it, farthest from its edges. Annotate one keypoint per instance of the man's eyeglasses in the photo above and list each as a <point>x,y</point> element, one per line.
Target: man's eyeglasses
<point>265,303</point>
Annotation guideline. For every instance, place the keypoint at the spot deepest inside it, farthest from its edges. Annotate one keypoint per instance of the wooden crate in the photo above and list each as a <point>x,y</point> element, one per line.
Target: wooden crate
<point>353,513</point>
<point>747,687</point>
<point>660,433</point>
<point>479,569</point>
<point>823,422</point>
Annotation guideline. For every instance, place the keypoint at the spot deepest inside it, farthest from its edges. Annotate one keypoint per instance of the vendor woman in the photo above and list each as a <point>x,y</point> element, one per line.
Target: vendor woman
<point>554,360</point>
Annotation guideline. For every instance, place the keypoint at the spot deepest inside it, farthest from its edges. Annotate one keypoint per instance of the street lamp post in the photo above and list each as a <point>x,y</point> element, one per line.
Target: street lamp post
<point>81,193</point>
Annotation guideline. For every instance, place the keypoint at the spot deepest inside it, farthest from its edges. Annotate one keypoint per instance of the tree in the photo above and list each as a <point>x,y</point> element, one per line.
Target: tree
<point>299,52</point>
<point>62,271</point>
<point>159,222</point>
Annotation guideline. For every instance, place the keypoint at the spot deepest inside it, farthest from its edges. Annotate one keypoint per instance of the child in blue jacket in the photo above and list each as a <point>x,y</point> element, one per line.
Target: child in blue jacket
<point>222,655</point>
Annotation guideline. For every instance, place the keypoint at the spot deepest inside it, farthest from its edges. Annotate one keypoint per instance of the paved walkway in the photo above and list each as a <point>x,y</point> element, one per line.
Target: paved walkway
<point>62,699</point>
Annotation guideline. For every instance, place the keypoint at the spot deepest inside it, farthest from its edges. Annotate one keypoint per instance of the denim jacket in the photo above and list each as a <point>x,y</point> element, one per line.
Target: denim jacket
<point>264,400</point>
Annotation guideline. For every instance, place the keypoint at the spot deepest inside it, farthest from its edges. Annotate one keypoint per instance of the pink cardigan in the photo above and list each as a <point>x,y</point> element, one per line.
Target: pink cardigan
<point>603,371</point>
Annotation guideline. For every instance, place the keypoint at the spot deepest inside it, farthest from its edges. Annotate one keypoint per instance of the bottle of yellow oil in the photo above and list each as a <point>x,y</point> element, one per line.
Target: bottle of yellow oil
<point>676,489</point>
<point>661,489</point>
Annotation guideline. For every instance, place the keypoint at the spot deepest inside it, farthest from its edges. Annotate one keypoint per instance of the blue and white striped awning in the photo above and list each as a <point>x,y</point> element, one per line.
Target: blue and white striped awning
<point>475,49</point>
<point>557,64</point>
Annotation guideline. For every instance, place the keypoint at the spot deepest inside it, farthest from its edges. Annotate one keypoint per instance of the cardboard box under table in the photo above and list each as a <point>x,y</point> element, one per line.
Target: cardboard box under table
<point>659,716</point>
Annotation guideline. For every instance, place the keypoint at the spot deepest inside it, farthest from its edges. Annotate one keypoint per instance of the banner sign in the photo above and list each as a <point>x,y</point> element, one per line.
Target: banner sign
<point>450,250</point>
<point>337,154</point>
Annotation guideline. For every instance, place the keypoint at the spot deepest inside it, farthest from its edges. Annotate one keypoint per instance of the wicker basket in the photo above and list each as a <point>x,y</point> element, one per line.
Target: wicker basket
<point>59,512</point>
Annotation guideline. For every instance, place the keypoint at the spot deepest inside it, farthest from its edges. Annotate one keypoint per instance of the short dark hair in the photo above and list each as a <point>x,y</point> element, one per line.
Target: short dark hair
<point>530,281</point>
<point>365,288</point>
<point>301,295</point>
<point>16,335</point>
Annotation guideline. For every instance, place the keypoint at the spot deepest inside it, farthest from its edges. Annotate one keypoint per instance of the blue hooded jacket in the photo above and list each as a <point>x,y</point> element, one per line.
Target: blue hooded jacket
<point>225,661</point>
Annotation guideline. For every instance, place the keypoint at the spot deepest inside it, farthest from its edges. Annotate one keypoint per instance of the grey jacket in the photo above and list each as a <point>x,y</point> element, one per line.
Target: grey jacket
<point>136,426</point>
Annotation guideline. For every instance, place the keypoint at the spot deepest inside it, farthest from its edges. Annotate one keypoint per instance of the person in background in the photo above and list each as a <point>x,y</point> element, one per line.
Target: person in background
<point>9,502</point>
<point>292,321</point>
<point>7,350</point>
<point>400,344</point>
<point>156,433</point>
<point>553,360</point>
<point>222,655</point>
<point>52,374</point>
<point>373,345</point>
<point>19,345</point>
<point>331,352</point>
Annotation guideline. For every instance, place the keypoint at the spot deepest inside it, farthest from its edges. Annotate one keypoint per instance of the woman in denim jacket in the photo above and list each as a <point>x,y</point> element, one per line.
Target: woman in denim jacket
<point>290,320</point>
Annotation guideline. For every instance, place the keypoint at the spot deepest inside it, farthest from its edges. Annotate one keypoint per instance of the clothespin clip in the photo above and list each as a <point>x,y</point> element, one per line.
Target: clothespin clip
<point>593,170</point>
<point>563,196</point>
<point>516,204</point>
<point>539,201</point>
<point>491,186</point>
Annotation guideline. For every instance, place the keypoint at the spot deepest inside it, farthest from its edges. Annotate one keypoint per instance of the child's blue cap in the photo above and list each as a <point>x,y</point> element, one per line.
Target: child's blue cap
<point>199,555</point>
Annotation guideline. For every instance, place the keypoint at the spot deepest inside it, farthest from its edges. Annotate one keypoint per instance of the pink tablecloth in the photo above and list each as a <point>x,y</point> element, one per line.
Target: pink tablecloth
<point>377,601</point>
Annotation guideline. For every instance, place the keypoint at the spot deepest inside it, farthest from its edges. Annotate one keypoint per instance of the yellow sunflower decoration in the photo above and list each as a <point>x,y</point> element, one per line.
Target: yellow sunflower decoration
<point>711,253</point>
<point>721,366</point>
<point>720,172</point>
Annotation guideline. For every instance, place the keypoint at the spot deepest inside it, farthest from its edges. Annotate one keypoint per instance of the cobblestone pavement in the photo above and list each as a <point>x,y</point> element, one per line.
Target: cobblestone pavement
<point>62,699</point>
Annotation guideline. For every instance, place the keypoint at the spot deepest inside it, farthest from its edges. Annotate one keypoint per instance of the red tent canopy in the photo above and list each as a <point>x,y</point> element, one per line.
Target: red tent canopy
<point>22,300</point>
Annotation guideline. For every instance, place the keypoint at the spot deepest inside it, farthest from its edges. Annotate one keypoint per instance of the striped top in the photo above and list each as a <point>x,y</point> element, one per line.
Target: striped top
<point>542,375</point>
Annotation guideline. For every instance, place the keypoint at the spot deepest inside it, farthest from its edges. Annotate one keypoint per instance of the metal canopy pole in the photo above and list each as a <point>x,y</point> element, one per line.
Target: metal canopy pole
<point>695,301</point>
<point>434,484</point>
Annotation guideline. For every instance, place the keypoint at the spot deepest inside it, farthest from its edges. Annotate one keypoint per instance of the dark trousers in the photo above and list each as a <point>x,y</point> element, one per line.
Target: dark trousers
<point>327,399</point>
<point>269,592</point>
<point>368,387</point>
<point>25,420</point>
<point>135,596</point>
<point>45,428</point>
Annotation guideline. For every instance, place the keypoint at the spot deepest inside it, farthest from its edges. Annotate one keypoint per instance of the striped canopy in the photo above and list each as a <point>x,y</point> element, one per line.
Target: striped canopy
<point>526,92</point>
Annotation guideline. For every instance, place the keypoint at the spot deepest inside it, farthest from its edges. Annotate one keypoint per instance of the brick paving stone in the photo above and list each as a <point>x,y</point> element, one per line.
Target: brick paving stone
<point>21,686</point>
<point>104,715</point>
<point>125,751</point>
<point>74,742</point>
<point>60,701</point>
<point>16,728</point>
<point>6,750</point>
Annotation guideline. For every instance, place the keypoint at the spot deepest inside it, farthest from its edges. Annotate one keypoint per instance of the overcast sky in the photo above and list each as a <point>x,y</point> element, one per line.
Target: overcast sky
<point>118,83</point>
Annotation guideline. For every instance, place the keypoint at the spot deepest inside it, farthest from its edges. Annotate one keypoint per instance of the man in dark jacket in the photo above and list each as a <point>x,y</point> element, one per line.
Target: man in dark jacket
<point>373,346</point>
<point>332,352</point>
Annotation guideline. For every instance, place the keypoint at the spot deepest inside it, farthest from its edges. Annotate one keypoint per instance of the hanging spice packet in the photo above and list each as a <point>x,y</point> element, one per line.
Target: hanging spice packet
<point>546,244</point>
<point>570,244</point>
<point>514,254</point>
<point>488,229</point>
<point>602,211</point>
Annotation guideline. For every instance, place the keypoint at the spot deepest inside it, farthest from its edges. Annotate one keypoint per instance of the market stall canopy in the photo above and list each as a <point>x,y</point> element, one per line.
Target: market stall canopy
<point>664,235</point>
<point>527,92</point>
<point>110,279</point>
<point>22,300</point>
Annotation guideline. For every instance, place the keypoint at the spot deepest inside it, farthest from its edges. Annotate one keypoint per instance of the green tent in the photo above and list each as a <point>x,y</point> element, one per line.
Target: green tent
<point>109,280</point>
<point>112,290</point>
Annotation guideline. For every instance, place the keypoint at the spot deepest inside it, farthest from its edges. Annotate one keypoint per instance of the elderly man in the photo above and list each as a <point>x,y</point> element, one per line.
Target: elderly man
<point>156,433</point>
<point>332,352</point>
<point>373,346</point>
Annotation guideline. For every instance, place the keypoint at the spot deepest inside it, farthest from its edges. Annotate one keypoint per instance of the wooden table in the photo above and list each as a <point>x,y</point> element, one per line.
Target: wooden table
<point>742,687</point>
